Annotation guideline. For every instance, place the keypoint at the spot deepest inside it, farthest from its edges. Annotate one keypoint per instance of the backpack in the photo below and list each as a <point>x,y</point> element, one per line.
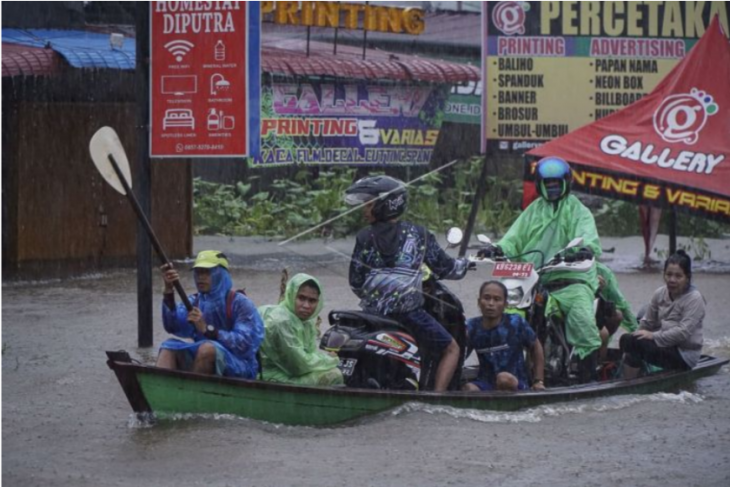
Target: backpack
<point>229,317</point>
<point>392,290</point>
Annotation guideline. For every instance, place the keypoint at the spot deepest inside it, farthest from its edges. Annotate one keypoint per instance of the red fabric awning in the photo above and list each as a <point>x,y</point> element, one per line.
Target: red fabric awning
<point>29,61</point>
<point>670,148</point>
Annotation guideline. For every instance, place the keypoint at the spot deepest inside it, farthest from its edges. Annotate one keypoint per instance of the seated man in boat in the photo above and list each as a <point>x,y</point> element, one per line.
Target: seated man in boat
<point>499,340</point>
<point>548,225</point>
<point>290,352</point>
<point>224,325</point>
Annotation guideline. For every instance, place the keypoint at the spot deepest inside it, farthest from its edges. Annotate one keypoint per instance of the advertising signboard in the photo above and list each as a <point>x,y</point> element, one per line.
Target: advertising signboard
<point>350,123</point>
<point>204,79</point>
<point>553,67</point>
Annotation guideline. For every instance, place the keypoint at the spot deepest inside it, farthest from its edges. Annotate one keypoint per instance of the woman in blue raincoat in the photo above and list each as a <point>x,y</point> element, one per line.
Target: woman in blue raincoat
<point>224,325</point>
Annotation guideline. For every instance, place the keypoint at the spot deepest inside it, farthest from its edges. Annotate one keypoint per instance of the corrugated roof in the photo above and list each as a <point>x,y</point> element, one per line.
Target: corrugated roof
<point>280,55</point>
<point>20,60</point>
<point>288,57</point>
<point>80,48</point>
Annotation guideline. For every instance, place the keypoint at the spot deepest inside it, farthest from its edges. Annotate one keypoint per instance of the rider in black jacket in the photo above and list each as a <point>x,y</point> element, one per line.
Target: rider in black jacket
<point>390,243</point>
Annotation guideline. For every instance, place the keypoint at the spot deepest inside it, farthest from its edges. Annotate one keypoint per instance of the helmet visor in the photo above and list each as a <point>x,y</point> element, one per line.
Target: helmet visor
<point>553,189</point>
<point>355,199</point>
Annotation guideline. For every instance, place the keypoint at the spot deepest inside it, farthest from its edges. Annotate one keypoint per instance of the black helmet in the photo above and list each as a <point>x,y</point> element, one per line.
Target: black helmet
<point>553,168</point>
<point>391,195</point>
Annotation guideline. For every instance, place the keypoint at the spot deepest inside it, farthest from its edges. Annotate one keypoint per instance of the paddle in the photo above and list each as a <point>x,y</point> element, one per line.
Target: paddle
<point>111,161</point>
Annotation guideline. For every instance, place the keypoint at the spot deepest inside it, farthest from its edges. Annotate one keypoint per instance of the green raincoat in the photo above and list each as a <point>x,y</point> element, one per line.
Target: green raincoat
<point>611,292</point>
<point>290,351</point>
<point>549,227</point>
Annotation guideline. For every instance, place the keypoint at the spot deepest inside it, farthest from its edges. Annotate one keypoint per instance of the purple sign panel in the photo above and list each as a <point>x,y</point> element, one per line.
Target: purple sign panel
<point>350,124</point>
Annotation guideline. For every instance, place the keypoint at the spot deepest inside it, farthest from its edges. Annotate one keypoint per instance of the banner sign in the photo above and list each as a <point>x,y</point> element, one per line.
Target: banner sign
<point>671,148</point>
<point>553,67</point>
<point>350,124</point>
<point>465,104</point>
<point>204,79</point>
<point>345,15</point>
<point>644,191</point>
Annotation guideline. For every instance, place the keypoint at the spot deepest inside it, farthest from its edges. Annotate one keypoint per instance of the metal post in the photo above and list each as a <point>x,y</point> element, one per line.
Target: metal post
<point>143,175</point>
<point>364,29</point>
<point>309,29</point>
<point>672,230</point>
<point>481,189</point>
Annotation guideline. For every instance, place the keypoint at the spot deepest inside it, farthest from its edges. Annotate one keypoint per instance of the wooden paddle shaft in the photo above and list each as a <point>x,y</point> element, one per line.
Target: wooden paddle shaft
<point>146,224</point>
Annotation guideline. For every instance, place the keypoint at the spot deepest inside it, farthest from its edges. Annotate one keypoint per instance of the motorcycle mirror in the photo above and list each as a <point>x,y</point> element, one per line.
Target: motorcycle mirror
<point>575,242</point>
<point>454,236</point>
<point>484,239</point>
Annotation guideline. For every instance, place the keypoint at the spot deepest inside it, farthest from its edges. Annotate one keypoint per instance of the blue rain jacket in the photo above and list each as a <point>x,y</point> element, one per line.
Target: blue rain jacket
<point>238,338</point>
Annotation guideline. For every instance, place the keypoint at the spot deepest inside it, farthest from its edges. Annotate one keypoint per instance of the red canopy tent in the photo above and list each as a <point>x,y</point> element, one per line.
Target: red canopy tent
<point>670,149</point>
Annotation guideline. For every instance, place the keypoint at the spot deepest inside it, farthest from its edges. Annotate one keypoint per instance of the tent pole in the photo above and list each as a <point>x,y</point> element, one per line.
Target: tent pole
<point>478,197</point>
<point>672,230</point>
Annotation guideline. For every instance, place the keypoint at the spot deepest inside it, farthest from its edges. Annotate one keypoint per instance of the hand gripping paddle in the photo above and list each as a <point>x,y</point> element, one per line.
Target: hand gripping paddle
<point>111,161</point>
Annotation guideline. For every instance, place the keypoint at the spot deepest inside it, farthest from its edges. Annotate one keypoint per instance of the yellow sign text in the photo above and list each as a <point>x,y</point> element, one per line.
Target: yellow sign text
<point>346,15</point>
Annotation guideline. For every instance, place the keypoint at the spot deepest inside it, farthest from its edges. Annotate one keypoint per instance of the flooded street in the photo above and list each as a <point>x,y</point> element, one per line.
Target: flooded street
<point>66,421</point>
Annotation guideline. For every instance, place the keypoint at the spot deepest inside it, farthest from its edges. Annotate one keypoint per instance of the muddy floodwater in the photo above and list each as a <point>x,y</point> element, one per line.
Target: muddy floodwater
<point>66,421</point>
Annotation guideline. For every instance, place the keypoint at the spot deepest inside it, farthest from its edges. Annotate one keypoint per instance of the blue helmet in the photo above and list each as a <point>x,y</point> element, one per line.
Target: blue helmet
<point>552,178</point>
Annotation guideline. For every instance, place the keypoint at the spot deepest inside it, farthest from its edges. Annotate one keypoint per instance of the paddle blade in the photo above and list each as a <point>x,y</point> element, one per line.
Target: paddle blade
<point>104,143</point>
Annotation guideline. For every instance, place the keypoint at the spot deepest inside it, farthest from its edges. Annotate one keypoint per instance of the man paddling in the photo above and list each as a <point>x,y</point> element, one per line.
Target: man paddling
<point>224,325</point>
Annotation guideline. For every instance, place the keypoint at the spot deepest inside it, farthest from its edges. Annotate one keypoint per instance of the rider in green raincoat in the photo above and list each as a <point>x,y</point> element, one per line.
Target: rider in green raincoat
<point>548,225</point>
<point>290,351</point>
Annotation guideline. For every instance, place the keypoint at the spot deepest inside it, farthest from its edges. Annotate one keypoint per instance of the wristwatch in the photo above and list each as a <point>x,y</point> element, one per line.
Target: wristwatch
<point>210,332</point>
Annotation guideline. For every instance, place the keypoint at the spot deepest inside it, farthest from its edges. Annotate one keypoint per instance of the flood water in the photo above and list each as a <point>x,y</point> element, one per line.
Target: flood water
<point>66,421</point>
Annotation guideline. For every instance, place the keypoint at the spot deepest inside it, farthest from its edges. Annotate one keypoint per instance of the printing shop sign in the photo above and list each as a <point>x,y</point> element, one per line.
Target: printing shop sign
<point>204,79</point>
<point>350,124</point>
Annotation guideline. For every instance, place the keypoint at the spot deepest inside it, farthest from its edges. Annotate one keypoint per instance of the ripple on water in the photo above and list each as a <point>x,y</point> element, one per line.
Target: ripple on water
<point>716,345</point>
<point>535,415</point>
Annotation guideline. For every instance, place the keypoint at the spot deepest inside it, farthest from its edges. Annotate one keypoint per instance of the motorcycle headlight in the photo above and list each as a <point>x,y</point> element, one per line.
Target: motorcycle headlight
<point>514,296</point>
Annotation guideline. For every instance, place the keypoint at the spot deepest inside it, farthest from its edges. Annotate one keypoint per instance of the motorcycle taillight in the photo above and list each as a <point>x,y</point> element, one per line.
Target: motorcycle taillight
<point>333,340</point>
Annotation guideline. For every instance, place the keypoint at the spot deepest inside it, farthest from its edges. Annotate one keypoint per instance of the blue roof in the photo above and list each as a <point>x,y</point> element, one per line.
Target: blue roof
<point>80,48</point>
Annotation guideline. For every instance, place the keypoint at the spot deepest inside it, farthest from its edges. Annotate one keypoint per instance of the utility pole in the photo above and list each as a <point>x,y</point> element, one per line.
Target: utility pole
<point>143,174</point>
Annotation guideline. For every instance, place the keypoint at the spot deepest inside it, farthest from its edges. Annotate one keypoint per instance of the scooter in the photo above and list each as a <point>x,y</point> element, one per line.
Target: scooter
<point>528,297</point>
<point>377,352</point>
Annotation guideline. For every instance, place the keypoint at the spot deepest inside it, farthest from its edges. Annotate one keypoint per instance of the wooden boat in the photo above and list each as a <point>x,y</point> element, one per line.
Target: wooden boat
<point>150,389</point>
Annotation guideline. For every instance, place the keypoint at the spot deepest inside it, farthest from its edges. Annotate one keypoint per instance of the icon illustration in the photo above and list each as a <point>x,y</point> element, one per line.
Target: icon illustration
<point>219,52</point>
<point>178,117</point>
<point>179,85</point>
<point>179,48</point>
<point>219,121</point>
<point>509,17</point>
<point>218,83</point>
<point>680,118</point>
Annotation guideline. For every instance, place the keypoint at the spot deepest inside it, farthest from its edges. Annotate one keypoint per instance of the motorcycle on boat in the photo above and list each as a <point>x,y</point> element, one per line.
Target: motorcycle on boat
<point>377,352</point>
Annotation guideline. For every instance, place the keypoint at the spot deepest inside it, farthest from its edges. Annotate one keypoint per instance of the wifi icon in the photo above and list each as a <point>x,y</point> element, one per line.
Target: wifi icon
<point>179,48</point>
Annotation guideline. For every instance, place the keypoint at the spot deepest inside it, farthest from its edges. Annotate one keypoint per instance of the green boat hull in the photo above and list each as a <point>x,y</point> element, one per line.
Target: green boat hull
<point>164,392</point>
